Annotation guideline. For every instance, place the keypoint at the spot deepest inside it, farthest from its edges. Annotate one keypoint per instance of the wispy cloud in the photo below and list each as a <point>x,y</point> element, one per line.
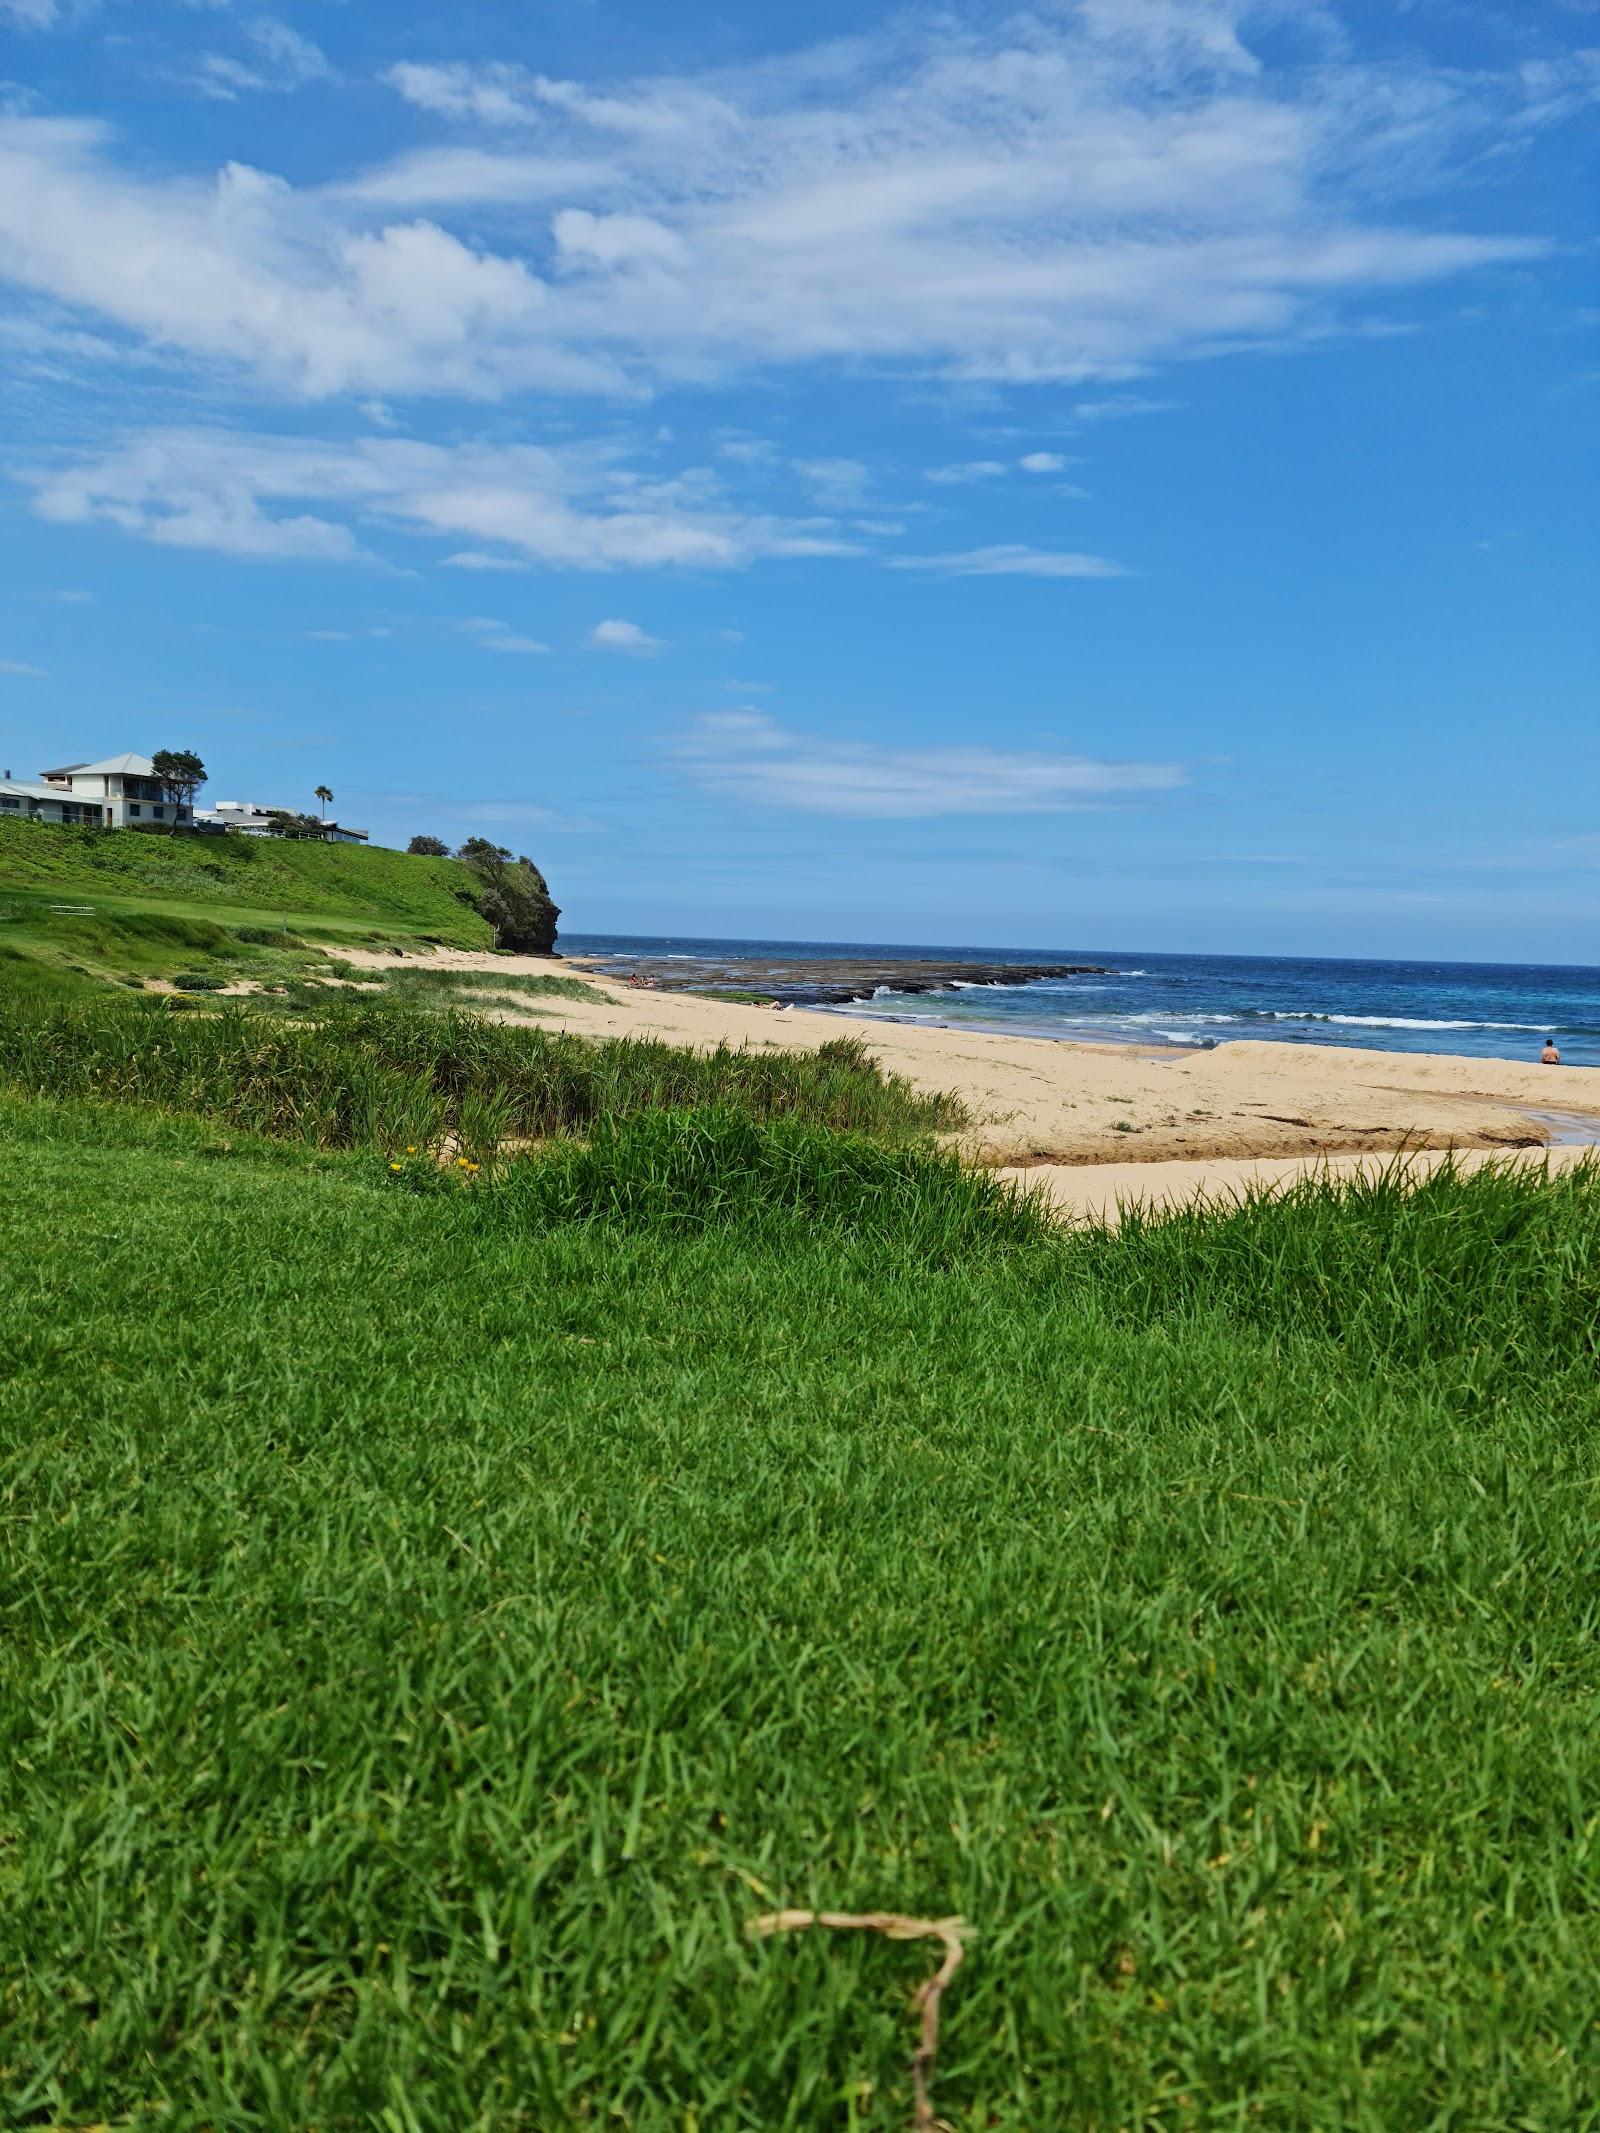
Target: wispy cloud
<point>750,757</point>
<point>837,484</point>
<point>22,669</point>
<point>965,470</point>
<point>574,507</point>
<point>1068,196</point>
<point>1120,406</point>
<point>979,470</point>
<point>495,636</point>
<point>277,57</point>
<point>1012,559</point>
<point>619,636</point>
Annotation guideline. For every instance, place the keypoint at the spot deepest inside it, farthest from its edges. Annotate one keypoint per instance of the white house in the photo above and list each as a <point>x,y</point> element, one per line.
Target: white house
<point>123,792</point>
<point>24,800</point>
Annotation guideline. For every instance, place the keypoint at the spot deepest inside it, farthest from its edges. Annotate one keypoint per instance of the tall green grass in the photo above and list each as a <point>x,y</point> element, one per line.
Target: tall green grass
<point>374,1075</point>
<point>437,1623</point>
<point>723,1169</point>
<point>1494,1270</point>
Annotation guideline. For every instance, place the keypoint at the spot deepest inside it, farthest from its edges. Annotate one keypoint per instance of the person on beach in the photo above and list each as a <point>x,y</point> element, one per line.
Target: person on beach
<point>1549,1056</point>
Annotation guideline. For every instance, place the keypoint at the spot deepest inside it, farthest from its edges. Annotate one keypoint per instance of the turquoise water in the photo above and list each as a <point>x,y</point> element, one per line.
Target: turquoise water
<point>1488,1010</point>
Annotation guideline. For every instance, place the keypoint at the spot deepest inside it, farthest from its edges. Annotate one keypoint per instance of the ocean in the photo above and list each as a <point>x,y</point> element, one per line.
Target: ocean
<point>1486,1010</point>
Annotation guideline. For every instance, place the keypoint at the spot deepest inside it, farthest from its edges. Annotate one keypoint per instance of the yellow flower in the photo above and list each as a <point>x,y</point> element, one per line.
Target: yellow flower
<point>463,1164</point>
<point>411,1151</point>
<point>394,1166</point>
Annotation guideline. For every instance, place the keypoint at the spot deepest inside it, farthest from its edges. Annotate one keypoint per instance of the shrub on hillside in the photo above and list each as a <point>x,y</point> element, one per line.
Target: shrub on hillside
<point>512,895</point>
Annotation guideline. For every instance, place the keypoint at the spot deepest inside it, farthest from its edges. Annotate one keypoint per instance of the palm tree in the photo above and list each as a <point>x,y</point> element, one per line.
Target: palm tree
<point>324,796</point>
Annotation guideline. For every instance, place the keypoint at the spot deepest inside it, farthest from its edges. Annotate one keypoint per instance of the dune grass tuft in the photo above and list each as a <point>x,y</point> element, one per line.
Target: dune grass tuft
<point>372,1074</point>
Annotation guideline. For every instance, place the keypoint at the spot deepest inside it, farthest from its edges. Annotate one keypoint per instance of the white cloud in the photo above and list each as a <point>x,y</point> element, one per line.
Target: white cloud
<point>499,95</point>
<point>617,636</point>
<point>486,93</point>
<point>748,451</point>
<point>1120,406</point>
<point>747,756</point>
<point>1012,560</point>
<point>245,269</point>
<point>1042,463</point>
<point>839,484</point>
<point>574,507</point>
<point>965,470</point>
<point>151,491</point>
<point>513,644</point>
<point>280,59</point>
<point>442,178</point>
<point>30,14</point>
<point>22,669</point>
<point>1070,195</point>
<point>616,240</point>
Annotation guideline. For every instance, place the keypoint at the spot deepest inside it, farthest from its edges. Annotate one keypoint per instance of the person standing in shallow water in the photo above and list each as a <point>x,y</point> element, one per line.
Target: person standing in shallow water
<point>1549,1056</point>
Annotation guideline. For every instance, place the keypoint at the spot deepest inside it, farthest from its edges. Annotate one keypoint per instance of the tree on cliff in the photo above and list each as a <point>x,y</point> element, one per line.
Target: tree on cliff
<point>429,848</point>
<point>511,894</point>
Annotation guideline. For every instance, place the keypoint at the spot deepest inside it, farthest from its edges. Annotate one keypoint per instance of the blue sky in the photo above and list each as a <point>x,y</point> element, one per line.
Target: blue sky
<point>1117,472</point>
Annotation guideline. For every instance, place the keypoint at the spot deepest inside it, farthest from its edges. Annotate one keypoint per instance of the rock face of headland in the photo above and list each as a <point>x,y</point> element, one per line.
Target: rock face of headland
<point>830,981</point>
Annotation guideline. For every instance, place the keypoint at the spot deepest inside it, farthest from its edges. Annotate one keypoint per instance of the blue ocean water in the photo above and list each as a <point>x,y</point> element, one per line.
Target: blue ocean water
<point>1487,1010</point>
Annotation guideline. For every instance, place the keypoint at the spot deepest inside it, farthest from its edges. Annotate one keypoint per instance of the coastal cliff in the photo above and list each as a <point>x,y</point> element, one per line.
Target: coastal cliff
<point>512,895</point>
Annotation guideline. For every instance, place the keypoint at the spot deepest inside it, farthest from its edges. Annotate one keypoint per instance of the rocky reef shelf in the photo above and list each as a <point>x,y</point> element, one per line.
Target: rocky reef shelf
<point>829,981</point>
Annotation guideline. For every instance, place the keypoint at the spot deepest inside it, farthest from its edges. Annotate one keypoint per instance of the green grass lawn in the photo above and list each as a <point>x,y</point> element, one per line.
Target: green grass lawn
<point>110,904</point>
<point>339,886</point>
<point>440,1617</point>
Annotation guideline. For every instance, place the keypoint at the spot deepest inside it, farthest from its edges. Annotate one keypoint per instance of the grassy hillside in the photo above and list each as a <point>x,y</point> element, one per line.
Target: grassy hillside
<point>326,890</point>
<point>443,1612</point>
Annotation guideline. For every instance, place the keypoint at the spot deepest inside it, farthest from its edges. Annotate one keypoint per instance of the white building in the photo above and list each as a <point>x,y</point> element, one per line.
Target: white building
<point>250,819</point>
<point>24,800</point>
<point>123,792</point>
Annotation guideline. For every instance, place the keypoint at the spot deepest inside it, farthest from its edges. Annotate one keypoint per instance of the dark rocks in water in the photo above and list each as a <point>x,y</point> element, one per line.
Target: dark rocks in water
<point>828,981</point>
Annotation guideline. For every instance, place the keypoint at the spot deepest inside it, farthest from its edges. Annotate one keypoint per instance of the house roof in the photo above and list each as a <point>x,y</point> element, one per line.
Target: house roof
<point>29,789</point>
<point>66,770</point>
<point>132,766</point>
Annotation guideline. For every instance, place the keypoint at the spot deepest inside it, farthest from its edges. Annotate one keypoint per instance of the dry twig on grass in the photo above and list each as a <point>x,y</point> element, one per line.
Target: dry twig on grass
<point>893,1926</point>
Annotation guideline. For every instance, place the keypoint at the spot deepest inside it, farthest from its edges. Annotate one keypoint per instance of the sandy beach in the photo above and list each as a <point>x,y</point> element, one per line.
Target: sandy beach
<point>1204,1118</point>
